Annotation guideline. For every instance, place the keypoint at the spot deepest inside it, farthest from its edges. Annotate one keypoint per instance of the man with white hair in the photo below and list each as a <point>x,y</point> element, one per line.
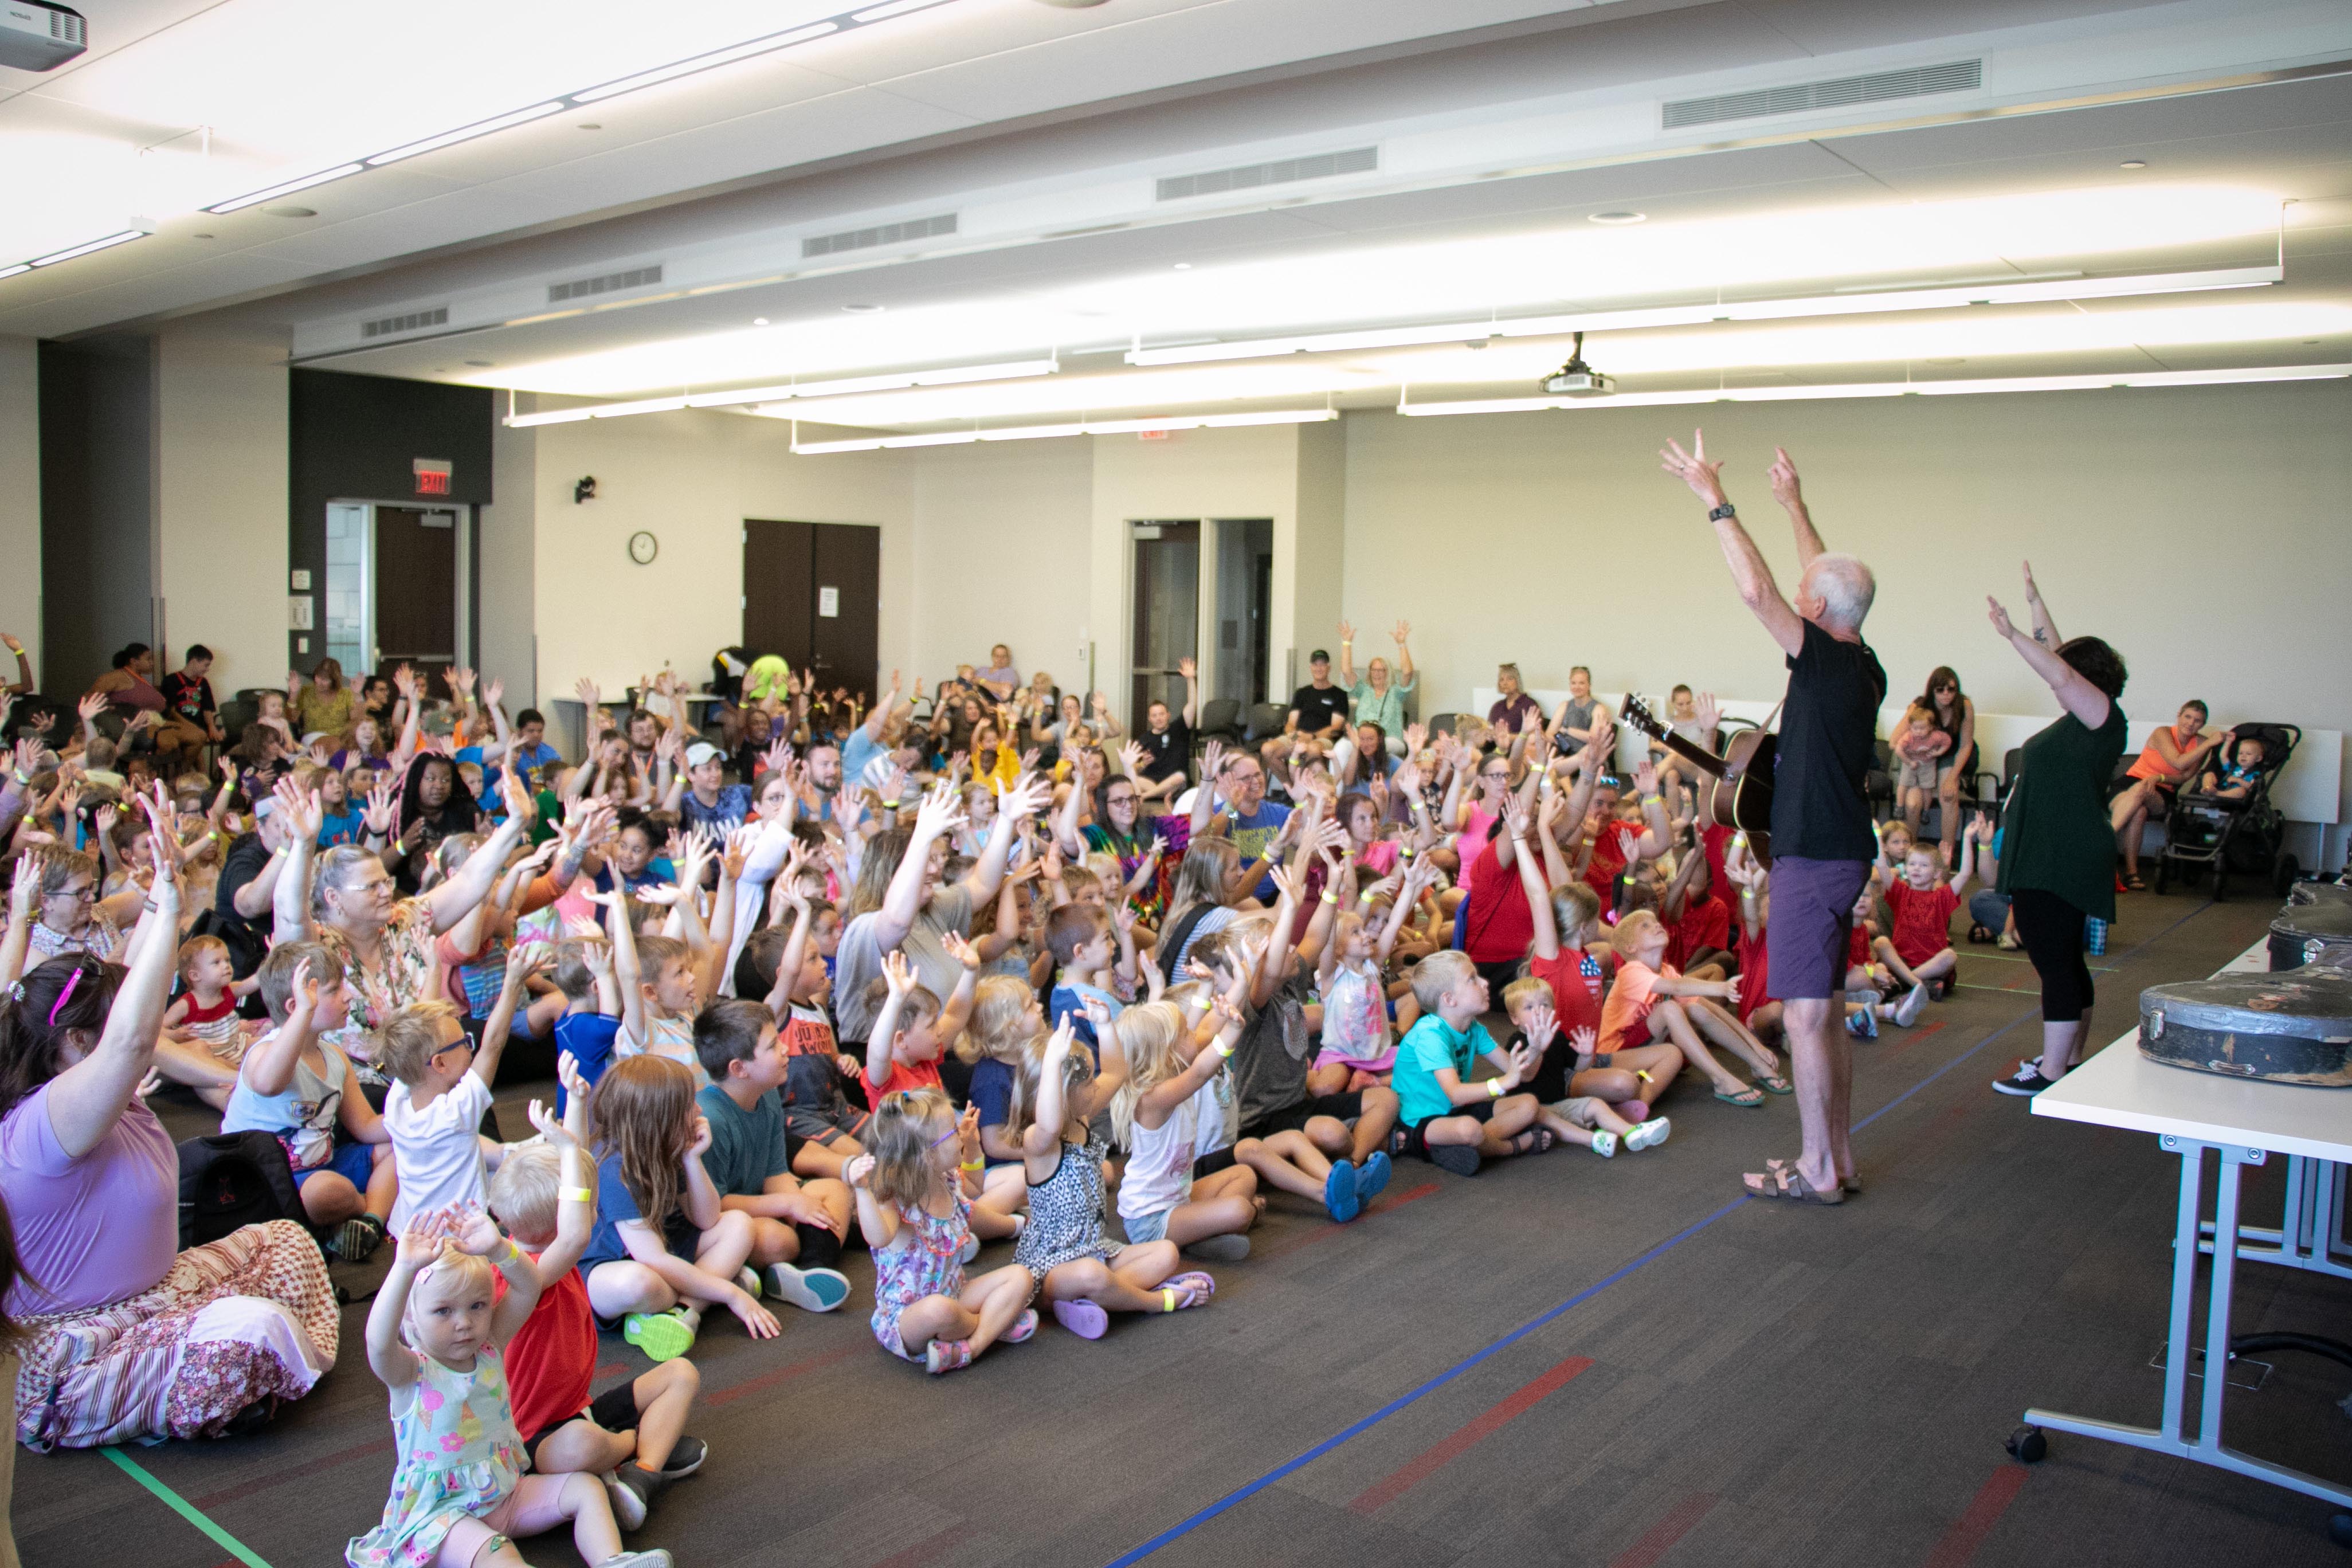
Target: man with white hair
<point>1821,840</point>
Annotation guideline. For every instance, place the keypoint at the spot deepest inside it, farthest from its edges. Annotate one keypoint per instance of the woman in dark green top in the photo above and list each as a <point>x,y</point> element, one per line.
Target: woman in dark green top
<point>2057,864</point>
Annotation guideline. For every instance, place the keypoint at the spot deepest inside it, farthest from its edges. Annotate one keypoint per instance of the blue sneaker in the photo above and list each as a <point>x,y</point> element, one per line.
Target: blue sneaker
<point>1340,1195</point>
<point>1372,1176</point>
<point>810,1290</point>
<point>1863,1025</point>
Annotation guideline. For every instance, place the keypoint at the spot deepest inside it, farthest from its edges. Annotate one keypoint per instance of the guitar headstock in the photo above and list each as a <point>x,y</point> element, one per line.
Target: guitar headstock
<point>1641,719</point>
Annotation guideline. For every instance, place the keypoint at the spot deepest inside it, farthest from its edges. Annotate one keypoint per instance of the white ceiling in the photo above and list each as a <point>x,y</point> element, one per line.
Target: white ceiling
<point>1496,149</point>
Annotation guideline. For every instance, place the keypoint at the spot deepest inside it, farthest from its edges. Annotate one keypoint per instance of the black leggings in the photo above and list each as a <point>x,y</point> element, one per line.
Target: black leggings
<point>2052,931</point>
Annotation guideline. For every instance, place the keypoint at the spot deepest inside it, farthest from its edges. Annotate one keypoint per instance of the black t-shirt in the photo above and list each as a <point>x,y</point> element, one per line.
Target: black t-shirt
<point>246,859</point>
<point>1828,730</point>
<point>1167,753</point>
<point>1317,708</point>
<point>1549,1082</point>
<point>191,699</point>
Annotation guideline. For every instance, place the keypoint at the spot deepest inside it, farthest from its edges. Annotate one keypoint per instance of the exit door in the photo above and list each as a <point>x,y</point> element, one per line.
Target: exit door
<point>414,583</point>
<point>812,593</point>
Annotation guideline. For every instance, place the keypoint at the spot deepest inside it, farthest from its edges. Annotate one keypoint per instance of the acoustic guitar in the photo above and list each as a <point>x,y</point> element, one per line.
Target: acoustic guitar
<point>1738,791</point>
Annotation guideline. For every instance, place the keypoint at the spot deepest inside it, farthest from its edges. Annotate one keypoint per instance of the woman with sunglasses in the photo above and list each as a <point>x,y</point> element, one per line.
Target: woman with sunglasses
<point>1956,721</point>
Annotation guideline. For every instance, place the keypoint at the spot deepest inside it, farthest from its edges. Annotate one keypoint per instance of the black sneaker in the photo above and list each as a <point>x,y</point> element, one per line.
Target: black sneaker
<point>2026,1081</point>
<point>1458,1158</point>
<point>357,1239</point>
<point>686,1457</point>
<point>632,1489</point>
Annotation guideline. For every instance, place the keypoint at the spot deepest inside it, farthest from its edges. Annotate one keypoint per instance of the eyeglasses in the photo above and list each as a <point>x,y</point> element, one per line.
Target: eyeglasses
<point>950,1132</point>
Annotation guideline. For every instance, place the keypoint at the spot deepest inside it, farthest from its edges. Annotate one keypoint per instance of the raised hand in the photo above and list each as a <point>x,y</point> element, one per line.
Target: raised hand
<point>1709,712</point>
<point>961,951</point>
<point>1187,668</point>
<point>492,690</point>
<point>1026,799</point>
<point>1347,632</point>
<point>1523,1064</point>
<point>1645,776</point>
<point>472,1230</point>
<point>1403,631</point>
<point>377,815</point>
<point>1212,758</point>
<point>941,813</point>
<point>1692,468</point>
<point>1131,759</point>
<point>461,680</point>
<point>859,1171</point>
<point>1999,618</point>
<point>590,698</point>
<point>1784,475</point>
<point>897,973</point>
<point>1584,1039</point>
<point>551,1126</point>
<point>424,1240</point>
<point>1542,1025</point>
<point>91,706</point>
<point>25,894</point>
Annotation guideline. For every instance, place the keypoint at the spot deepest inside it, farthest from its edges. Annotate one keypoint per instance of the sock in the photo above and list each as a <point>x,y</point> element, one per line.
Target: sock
<point>820,1248</point>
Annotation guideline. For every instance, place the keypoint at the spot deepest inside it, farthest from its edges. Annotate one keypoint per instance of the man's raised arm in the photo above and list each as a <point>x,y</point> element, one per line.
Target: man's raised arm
<point>1783,474</point>
<point>1749,572</point>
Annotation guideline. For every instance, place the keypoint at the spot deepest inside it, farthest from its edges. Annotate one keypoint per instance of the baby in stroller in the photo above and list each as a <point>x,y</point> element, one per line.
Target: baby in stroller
<point>2227,821</point>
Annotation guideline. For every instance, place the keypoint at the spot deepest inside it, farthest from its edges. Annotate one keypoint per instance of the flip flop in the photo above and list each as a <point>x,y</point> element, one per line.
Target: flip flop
<point>1192,1283</point>
<point>1786,1183</point>
<point>1773,1083</point>
<point>1747,1099</point>
<point>1981,934</point>
<point>1852,1188</point>
<point>1082,1318</point>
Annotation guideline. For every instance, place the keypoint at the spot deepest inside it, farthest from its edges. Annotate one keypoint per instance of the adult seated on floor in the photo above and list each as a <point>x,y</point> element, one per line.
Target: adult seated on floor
<point>125,1335</point>
<point>2171,759</point>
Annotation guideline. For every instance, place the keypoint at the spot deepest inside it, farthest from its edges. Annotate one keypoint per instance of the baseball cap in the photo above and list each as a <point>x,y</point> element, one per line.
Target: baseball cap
<point>1319,657</point>
<point>699,753</point>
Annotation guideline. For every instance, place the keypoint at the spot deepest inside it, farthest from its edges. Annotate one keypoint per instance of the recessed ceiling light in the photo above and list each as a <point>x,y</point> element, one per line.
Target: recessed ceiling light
<point>479,363</point>
<point>589,125</point>
<point>759,320</point>
<point>865,309</point>
<point>2133,163</point>
<point>291,212</point>
<point>1617,218</point>
<point>1183,266</point>
<point>200,237</point>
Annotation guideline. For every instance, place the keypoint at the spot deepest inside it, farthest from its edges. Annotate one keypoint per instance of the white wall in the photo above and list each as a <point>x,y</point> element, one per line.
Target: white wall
<point>220,484</point>
<point>509,565</point>
<point>20,499</point>
<point>1000,554</point>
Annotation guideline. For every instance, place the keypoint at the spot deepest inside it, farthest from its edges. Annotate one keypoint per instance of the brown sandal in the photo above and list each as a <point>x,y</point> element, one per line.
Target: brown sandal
<point>1851,1187</point>
<point>1787,1183</point>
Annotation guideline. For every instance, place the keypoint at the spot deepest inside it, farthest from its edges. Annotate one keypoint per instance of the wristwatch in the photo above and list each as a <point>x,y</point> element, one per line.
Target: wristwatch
<point>1717,514</point>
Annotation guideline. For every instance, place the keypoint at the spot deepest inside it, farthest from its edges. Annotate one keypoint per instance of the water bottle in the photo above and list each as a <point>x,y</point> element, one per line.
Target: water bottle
<point>2095,936</point>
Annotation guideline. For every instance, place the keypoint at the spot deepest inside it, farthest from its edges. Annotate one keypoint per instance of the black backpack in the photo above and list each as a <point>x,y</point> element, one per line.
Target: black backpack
<point>231,1179</point>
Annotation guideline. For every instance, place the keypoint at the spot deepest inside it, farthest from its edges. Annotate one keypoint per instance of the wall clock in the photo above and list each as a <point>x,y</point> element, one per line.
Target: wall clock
<point>643,547</point>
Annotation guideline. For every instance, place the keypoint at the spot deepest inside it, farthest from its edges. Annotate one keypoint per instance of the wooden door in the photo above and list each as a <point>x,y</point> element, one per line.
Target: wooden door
<point>777,597</point>
<point>416,592</point>
<point>846,563</point>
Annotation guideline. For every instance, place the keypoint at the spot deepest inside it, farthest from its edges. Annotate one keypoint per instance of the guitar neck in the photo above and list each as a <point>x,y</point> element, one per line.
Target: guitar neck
<point>1697,757</point>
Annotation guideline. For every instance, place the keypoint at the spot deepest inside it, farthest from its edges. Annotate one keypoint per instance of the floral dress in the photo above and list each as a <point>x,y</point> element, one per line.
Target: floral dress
<point>925,1258</point>
<point>457,1455</point>
<point>410,971</point>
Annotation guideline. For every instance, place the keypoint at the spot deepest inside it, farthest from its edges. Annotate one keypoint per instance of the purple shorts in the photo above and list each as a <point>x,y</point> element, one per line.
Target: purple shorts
<point>1812,923</point>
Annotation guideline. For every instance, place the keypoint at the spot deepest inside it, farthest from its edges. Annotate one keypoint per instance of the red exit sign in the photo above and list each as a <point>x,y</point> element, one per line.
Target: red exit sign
<point>431,476</point>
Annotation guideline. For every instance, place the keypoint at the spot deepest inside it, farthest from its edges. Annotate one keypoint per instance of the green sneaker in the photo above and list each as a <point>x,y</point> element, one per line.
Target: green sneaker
<point>663,1336</point>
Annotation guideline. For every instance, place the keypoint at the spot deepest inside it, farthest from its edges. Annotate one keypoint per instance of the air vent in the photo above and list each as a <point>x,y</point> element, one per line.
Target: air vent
<point>1281,171</point>
<point>880,234</point>
<point>66,28</point>
<point>414,322</point>
<point>1843,92</point>
<point>611,283</point>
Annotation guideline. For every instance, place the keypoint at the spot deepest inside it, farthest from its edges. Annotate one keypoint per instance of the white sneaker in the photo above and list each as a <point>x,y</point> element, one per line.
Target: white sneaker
<point>654,1557</point>
<point>748,1277</point>
<point>1642,1134</point>
<point>970,1246</point>
<point>1907,1012</point>
<point>1606,1146</point>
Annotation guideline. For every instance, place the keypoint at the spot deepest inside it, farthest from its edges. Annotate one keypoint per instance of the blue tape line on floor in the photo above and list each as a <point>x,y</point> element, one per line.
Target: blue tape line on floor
<point>185,1508</point>
<point>1242,1494</point>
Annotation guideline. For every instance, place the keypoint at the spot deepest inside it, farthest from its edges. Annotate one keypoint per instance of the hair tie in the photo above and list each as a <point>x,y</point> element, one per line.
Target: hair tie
<point>63,996</point>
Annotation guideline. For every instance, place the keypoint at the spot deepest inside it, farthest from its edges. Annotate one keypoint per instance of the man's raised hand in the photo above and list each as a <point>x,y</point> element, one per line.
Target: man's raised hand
<point>1692,468</point>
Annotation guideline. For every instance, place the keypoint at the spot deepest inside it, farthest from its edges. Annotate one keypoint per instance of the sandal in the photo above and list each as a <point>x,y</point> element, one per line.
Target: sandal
<point>1083,1317</point>
<point>2132,883</point>
<point>1193,1284</point>
<point>1980,934</point>
<point>1025,1327</point>
<point>1773,1083</point>
<point>1747,1099</point>
<point>1787,1183</point>
<point>1848,1185</point>
<point>1542,1136</point>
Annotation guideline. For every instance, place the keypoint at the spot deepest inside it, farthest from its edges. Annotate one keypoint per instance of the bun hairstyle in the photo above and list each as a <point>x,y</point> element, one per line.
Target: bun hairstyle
<point>644,1110</point>
<point>900,1137</point>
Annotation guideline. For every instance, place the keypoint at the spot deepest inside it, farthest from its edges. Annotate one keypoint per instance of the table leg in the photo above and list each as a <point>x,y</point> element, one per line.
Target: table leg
<point>2309,1235</point>
<point>2206,1448</point>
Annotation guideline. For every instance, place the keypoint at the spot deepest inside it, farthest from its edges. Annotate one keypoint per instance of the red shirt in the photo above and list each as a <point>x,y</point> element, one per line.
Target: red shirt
<point>922,1075</point>
<point>1857,946</point>
<point>1500,927</point>
<point>1755,974</point>
<point>552,1359</point>
<point>1576,995</point>
<point>1715,841</point>
<point>1609,858</point>
<point>1923,922</point>
<point>1705,924</point>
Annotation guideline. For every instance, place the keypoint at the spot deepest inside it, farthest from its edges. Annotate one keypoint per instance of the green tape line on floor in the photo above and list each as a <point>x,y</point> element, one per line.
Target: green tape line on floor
<point>185,1508</point>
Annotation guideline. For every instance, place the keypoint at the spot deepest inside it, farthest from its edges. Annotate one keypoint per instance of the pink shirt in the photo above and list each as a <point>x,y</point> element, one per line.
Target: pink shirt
<point>92,1231</point>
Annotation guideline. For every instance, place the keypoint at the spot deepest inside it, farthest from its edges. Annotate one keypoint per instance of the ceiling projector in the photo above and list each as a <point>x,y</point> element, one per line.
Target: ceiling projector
<point>1578,379</point>
<point>37,37</point>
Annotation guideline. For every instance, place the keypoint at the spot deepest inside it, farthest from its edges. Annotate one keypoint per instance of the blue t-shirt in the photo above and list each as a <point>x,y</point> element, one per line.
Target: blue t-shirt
<point>1253,833</point>
<point>589,1038</point>
<point>1428,1049</point>
<point>1070,1000</point>
<point>339,827</point>
<point>733,808</point>
<point>530,762</point>
<point>614,1205</point>
<point>856,751</point>
<point>991,1091</point>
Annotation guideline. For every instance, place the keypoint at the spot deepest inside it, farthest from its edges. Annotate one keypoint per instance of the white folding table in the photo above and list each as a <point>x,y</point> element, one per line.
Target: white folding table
<point>2192,1115</point>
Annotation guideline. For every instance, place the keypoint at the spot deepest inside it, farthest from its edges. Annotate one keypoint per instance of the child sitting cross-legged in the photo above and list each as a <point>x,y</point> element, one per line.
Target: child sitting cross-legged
<point>1923,904</point>
<point>915,1188</point>
<point>1452,1123</point>
<point>1174,1186</point>
<point>790,971</point>
<point>663,1248</point>
<point>1085,1277</point>
<point>304,1092</point>
<point>440,1091</point>
<point>1650,1002</point>
<point>1358,1048</point>
<point>458,1490</point>
<point>633,1434</point>
<point>203,1019</point>
<point>1573,1080</point>
<point>796,1228</point>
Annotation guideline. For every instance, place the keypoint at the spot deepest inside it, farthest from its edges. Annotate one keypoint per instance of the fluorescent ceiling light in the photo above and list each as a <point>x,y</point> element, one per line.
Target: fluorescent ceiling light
<point>1048,432</point>
<point>1886,389</point>
<point>798,392</point>
<point>88,248</point>
<point>285,188</point>
<point>12,271</point>
<point>466,133</point>
<point>710,61</point>
<point>1695,315</point>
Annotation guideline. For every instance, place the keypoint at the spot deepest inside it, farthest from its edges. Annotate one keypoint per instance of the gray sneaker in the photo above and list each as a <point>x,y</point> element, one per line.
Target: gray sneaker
<point>653,1557</point>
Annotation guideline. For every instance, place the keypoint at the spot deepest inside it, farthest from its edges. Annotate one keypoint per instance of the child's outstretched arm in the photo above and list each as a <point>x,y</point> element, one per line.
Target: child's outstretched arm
<point>956,1010</point>
<point>475,1232</point>
<point>1111,1063</point>
<point>420,1245</point>
<point>575,1188</point>
<point>879,1225</point>
<point>1546,930</point>
<point>268,1067</point>
<point>1158,1102</point>
<point>779,999</point>
<point>900,976</point>
<point>626,977</point>
<point>1042,1140</point>
<point>1273,964</point>
<point>523,961</point>
<point>1967,866</point>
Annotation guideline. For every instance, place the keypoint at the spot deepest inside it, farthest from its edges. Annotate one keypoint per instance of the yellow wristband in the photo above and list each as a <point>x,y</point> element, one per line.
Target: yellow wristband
<point>577,1194</point>
<point>1330,897</point>
<point>1494,1088</point>
<point>973,1165</point>
<point>1224,1049</point>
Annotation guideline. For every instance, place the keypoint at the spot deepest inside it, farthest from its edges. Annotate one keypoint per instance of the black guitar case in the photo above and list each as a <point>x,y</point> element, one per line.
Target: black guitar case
<point>2301,930</point>
<point>2281,1029</point>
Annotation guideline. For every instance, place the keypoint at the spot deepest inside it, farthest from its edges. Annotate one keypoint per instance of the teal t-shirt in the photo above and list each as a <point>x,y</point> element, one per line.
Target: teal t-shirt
<point>747,1147</point>
<point>1428,1048</point>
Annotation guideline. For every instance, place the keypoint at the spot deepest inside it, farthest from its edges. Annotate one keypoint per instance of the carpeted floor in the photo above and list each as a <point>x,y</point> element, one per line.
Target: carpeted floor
<point>1562,1360</point>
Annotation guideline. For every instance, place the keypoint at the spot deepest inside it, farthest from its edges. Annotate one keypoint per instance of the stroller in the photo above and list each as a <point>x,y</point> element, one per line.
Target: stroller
<point>2243,835</point>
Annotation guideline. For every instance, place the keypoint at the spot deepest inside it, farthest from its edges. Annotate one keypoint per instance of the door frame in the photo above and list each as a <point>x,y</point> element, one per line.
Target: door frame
<point>469,651</point>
